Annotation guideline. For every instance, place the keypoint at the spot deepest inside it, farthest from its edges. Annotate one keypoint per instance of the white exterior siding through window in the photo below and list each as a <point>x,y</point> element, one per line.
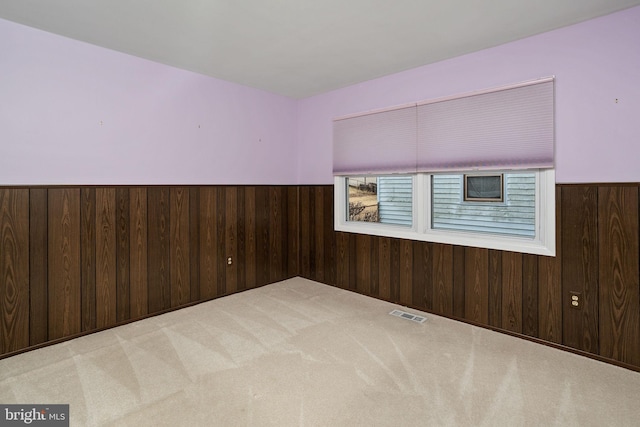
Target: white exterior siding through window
<point>395,194</point>
<point>515,216</point>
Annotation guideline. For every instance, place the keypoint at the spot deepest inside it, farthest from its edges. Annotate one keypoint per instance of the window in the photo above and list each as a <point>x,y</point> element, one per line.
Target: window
<point>379,199</point>
<point>431,207</point>
<point>473,170</point>
<point>483,188</point>
<point>499,204</point>
<point>362,198</point>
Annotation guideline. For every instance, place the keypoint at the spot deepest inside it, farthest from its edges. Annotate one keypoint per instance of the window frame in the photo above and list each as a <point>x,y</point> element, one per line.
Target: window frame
<point>544,242</point>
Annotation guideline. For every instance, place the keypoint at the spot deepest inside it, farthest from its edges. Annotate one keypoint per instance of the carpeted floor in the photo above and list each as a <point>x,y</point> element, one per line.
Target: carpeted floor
<point>299,353</point>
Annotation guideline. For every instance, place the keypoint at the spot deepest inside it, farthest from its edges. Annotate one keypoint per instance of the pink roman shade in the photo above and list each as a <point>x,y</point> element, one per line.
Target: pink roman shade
<point>375,143</point>
<point>508,128</point>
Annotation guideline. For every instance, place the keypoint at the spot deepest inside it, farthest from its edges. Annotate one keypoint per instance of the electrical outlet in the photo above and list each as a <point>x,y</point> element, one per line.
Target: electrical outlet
<point>229,261</point>
<point>576,299</point>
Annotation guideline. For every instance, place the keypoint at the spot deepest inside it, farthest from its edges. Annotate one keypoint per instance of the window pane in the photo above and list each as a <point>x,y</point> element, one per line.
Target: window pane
<point>483,188</point>
<point>362,198</point>
<point>395,200</point>
<point>515,215</point>
<point>383,199</point>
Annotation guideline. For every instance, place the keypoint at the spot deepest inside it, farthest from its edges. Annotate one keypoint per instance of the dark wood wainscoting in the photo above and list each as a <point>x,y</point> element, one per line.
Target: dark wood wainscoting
<point>597,258</point>
<point>78,259</point>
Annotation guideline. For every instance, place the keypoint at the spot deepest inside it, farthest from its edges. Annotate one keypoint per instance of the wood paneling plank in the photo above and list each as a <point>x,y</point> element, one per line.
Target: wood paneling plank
<point>422,275</point>
<point>138,253</point>
<point>394,272</point>
<point>14,269</point>
<point>363,262</point>
<point>231,239</point>
<point>88,257</point>
<point>194,242</point>
<point>406,272</point>
<point>221,260</point>
<point>241,257</point>
<point>208,246</point>
<point>64,262</point>
<point>293,231</point>
<point>305,238</point>
<point>38,266</point>
<point>105,257</point>
<point>618,274</point>
<point>262,236</point>
<point>179,245</point>
<point>250,237</point>
<point>342,260</point>
<point>459,282</point>
<point>123,279</point>
<point>353,267</point>
<point>318,233</point>
<point>276,234</point>
<point>158,211</point>
<point>329,237</point>
<point>476,289</point>
<point>530,295</point>
<point>384,268</point>
<point>443,279</point>
<point>495,288</point>
<point>512,291</point>
<point>550,286</point>
<point>375,278</point>
<point>580,266</point>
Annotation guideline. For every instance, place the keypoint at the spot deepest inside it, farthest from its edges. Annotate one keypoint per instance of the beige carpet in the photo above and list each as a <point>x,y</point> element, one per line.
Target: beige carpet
<point>298,353</point>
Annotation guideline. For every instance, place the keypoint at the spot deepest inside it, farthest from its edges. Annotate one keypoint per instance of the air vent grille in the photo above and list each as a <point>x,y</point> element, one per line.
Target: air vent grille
<point>408,316</point>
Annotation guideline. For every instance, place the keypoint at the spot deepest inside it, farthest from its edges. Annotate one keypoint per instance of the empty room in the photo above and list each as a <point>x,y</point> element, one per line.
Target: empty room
<point>298,213</point>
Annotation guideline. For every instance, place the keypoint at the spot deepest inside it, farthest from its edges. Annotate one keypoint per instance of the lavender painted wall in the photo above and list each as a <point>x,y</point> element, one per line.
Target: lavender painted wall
<point>73,113</point>
<point>595,63</point>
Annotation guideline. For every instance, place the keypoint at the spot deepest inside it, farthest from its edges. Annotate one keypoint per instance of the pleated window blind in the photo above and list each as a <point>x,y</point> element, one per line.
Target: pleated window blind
<point>377,143</point>
<point>505,128</point>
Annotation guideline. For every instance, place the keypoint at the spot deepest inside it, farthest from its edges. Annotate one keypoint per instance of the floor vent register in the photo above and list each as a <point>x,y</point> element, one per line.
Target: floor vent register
<point>408,316</point>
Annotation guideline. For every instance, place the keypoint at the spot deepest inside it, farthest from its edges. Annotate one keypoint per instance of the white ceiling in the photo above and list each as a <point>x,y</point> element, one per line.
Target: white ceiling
<point>299,48</point>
